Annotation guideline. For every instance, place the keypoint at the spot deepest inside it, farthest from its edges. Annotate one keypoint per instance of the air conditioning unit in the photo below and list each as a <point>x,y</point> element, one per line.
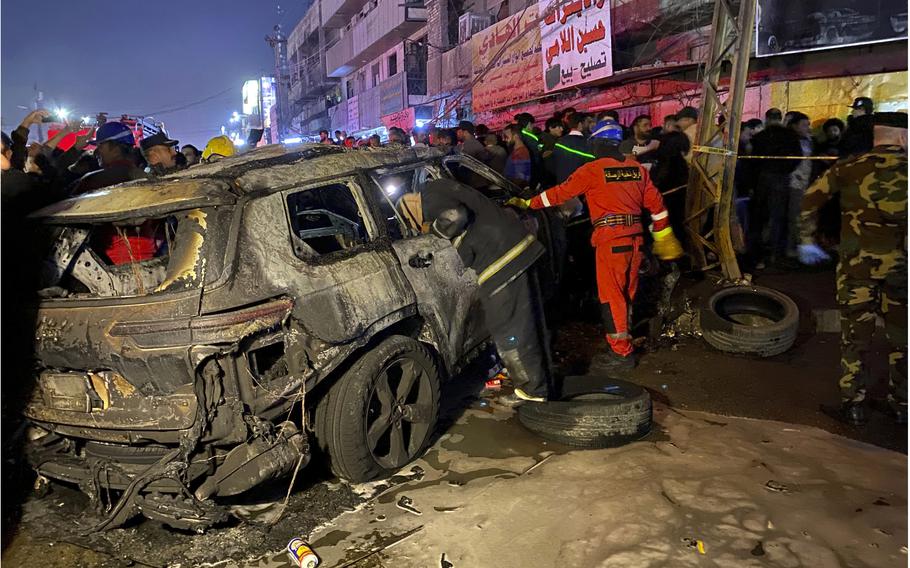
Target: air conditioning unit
<point>471,23</point>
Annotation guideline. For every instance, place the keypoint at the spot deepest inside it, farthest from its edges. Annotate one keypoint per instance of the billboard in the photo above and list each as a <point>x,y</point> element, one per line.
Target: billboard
<point>784,26</point>
<point>392,94</point>
<point>251,91</point>
<point>515,75</point>
<point>576,43</point>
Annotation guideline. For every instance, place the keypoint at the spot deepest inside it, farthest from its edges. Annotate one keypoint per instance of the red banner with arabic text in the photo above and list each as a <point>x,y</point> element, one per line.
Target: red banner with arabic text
<point>576,43</point>
<point>515,74</point>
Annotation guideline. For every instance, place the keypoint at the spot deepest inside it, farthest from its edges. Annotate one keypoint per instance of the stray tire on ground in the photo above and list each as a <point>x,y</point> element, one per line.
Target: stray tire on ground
<point>592,412</point>
<point>749,319</point>
<point>379,415</point>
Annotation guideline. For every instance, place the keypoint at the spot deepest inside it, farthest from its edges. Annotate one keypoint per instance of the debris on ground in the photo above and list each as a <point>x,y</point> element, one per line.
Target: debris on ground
<point>695,543</point>
<point>777,486</point>
<point>301,554</point>
<point>407,504</point>
<point>443,563</point>
<point>684,326</point>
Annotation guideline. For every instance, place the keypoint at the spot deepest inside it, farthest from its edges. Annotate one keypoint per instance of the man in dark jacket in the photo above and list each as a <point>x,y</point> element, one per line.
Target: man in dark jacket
<point>114,150</point>
<point>531,140</point>
<point>161,154</point>
<point>468,144</point>
<point>858,138</point>
<point>772,180</point>
<point>571,151</point>
<point>497,246</point>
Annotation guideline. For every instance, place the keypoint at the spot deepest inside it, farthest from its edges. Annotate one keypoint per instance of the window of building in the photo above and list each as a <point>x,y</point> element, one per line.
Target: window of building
<point>393,64</point>
<point>325,220</point>
<point>351,88</point>
<point>376,74</point>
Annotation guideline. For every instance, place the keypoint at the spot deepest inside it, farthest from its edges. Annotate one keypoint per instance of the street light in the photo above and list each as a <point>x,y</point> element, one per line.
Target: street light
<point>61,113</point>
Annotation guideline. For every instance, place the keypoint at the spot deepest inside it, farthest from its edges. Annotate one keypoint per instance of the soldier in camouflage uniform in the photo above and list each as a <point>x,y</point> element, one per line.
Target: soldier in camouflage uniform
<point>872,272</point>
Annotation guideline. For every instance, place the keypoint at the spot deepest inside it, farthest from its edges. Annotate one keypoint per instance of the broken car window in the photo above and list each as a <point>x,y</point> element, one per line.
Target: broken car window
<point>326,219</point>
<point>131,258</point>
<point>487,182</point>
<point>394,186</point>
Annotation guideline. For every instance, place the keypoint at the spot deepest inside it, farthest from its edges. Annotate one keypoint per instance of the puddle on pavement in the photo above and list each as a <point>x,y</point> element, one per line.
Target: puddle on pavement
<point>330,539</point>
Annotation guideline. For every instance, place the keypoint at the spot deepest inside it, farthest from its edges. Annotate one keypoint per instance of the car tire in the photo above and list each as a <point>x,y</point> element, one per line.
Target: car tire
<point>369,423</point>
<point>749,319</point>
<point>591,412</point>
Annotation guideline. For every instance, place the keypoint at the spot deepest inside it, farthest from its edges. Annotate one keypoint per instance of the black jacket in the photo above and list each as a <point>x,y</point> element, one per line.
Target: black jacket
<point>670,169</point>
<point>532,141</point>
<point>775,140</point>
<point>859,136</point>
<point>491,230</point>
<point>118,172</point>
<point>565,162</point>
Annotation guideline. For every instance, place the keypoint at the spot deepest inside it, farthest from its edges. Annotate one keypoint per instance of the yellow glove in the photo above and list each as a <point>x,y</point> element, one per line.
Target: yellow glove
<point>519,202</point>
<point>666,245</point>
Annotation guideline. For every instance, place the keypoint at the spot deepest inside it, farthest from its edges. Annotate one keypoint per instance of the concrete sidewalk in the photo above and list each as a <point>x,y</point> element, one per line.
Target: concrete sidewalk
<point>752,492</point>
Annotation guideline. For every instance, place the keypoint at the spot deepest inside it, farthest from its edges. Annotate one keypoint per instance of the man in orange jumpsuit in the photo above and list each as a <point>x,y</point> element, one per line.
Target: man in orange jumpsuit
<point>617,189</point>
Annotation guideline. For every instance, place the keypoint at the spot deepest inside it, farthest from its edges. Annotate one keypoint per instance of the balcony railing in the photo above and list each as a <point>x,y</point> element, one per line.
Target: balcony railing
<point>379,30</point>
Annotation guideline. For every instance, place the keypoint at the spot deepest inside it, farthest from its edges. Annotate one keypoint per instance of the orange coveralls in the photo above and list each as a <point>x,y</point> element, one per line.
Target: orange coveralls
<point>617,192</point>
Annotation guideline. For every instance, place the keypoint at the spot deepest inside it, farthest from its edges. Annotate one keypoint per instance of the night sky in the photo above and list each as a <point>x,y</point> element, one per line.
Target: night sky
<point>137,57</point>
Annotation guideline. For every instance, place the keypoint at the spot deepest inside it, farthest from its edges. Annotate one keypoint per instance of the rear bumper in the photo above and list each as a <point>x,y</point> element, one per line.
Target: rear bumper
<point>113,466</point>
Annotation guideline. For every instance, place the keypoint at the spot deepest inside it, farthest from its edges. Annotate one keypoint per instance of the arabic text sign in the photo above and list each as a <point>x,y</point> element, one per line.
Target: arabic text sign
<point>403,119</point>
<point>514,76</point>
<point>575,42</point>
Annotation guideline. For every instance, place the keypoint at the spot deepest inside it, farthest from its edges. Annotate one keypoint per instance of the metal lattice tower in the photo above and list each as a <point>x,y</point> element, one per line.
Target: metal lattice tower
<point>709,201</point>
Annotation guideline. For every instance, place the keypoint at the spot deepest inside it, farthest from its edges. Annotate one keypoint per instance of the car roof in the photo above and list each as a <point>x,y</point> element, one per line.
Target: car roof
<point>267,168</point>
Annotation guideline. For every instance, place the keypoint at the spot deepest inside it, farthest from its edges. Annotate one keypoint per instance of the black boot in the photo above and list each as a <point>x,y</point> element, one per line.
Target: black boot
<point>895,410</point>
<point>610,361</point>
<point>852,413</point>
<point>900,414</point>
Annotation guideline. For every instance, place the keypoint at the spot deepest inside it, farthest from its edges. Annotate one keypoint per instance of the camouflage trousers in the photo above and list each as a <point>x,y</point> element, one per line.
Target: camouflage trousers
<point>871,286</point>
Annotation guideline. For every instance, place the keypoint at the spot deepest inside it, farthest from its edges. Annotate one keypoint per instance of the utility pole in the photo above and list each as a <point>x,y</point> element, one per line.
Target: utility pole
<point>39,98</point>
<point>709,201</point>
<point>279,44</point>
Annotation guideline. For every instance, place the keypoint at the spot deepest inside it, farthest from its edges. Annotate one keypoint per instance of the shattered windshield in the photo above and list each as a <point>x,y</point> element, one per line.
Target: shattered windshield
<point>178,251</point>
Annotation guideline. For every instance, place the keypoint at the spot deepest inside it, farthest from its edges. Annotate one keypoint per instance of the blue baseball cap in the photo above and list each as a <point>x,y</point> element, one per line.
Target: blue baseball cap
<point>114,132</point>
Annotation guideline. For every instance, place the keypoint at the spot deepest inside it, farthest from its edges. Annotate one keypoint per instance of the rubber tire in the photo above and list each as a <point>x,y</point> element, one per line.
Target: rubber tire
<point>766,340</point>
<point>340,414</point>
<point>591,423</point>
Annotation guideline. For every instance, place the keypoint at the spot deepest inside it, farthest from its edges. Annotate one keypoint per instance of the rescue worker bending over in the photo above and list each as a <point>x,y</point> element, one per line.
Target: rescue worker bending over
<point>497,246</point>
<point>617,189</point>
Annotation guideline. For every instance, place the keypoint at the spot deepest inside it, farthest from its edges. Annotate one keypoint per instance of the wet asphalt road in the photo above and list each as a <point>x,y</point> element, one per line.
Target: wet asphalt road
<point>682,372</point>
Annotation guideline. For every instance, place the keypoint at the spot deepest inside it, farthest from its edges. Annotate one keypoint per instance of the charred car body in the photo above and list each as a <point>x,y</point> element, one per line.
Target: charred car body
<point>290,299</point>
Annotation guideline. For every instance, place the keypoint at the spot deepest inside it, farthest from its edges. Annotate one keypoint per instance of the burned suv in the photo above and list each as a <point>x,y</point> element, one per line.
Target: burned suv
<point>286,298</point>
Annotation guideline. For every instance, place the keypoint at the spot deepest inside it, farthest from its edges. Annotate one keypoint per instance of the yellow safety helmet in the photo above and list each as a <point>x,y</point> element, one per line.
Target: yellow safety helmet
<point>220,146</point>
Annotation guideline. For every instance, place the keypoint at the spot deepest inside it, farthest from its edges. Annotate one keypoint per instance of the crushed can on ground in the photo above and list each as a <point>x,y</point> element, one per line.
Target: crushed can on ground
<point>301,554</point>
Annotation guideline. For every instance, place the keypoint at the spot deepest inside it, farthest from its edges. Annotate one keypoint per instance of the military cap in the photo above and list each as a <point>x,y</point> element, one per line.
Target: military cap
<point>893,119</point>
<point>862,102</point>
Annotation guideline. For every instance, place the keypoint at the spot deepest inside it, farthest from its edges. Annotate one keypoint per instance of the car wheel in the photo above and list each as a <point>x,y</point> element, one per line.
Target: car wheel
<point>379,416</point>
<point>591,412</point>
<point>753,320</point>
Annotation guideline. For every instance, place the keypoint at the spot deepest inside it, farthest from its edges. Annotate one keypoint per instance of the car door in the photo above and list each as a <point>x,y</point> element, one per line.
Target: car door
<point>447,292</point>
<point>346,280</point>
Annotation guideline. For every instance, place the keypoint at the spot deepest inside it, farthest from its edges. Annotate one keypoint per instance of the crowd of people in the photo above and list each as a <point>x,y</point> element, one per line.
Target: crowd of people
<point>39,173</point>
<point>770,179</point>
<point>532,155</point>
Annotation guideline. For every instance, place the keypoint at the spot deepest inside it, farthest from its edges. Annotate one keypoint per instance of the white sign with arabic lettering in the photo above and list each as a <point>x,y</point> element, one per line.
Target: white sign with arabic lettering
<point>576,43</point>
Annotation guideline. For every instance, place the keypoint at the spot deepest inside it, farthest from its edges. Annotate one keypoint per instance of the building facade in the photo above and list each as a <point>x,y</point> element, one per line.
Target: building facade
<point>362,66</point>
